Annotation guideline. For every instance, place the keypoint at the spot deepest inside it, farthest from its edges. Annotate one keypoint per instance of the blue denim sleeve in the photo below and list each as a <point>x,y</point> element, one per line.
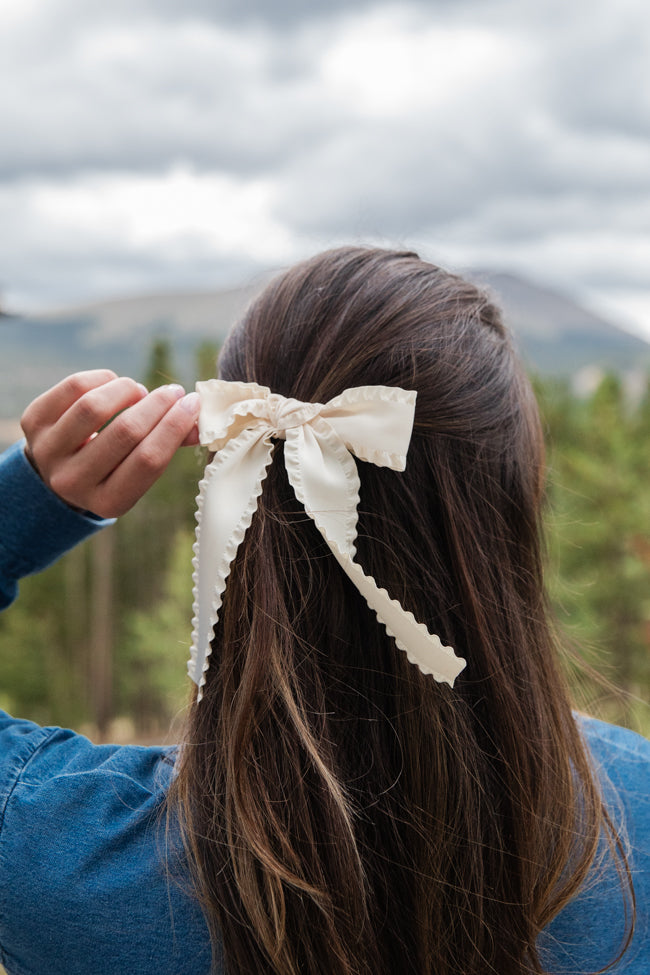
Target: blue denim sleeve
<point>36,527</point>
<point>90,879</point>
<point>588,933</point>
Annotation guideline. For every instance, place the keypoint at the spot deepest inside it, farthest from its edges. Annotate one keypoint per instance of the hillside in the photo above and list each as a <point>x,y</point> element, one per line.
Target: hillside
<point>554,333</point>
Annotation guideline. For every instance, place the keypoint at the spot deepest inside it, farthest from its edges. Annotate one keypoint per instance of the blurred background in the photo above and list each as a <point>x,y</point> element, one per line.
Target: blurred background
<point>159,160</point>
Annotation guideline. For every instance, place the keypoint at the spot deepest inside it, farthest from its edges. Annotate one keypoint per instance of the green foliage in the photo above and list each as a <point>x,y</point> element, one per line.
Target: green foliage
<point>598,520</point>
<point>151,673</point>
<point>160,369</point>
<point>599,539</point>
<point>206,360</point>
<point>42,662</point>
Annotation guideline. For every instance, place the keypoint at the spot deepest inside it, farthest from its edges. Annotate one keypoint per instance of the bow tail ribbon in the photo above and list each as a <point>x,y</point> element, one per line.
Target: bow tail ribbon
<point>324,477</point>
<point>421,647</point>
<point>226,502</point>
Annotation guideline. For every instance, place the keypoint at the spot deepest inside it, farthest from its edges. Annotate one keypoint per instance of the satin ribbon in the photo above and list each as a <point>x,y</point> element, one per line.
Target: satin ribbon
<point>239,421</point>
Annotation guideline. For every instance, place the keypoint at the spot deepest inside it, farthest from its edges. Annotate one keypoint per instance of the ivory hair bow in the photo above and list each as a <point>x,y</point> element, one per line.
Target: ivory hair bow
<point>239,421</point>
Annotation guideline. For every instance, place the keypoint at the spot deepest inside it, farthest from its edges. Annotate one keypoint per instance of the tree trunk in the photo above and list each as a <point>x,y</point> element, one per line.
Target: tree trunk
<point>101,630</point>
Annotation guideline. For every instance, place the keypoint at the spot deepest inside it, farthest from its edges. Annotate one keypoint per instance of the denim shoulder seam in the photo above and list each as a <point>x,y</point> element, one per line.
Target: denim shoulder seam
<point>46,734</point>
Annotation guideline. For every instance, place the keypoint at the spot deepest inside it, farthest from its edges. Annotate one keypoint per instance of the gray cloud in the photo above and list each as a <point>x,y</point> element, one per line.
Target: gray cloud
<point>547,148</point>
<point>101,91</point>
<point>598,77</point>
<point>113,270</point>
<point>141,85</point>
<point>143,99</point>
<point>420,174</point>
<point>283,15</point>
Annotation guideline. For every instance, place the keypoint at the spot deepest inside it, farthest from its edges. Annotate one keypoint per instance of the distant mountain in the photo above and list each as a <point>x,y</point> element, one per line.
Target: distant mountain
<point>555,335</point>
<point>36,351</point>
<point>558,336</point>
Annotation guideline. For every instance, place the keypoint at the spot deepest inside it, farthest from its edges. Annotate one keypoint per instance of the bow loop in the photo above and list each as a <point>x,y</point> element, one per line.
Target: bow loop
<point>239,422</point>
<point>374,422</point>
<point>227,409</point>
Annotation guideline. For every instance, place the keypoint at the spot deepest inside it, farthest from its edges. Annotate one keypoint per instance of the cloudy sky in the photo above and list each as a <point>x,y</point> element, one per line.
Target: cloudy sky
<point>165,144</point>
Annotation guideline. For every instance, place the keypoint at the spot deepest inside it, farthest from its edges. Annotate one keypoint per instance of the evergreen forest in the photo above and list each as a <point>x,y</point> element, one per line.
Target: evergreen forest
<point>99,641</point>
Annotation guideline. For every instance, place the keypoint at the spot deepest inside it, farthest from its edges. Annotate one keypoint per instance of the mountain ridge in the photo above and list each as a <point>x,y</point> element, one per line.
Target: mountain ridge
<point>555,334</point>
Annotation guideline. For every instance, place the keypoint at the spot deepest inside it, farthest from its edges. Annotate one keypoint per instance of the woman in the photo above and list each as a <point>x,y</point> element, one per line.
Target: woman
<point>340,810</point>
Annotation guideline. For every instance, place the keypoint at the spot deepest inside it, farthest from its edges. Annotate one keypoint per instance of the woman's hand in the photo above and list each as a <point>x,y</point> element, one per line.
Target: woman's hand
<point>103,468</point>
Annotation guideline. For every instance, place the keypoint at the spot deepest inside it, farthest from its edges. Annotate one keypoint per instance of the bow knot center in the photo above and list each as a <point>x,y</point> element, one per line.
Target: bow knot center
<point>285,413</point>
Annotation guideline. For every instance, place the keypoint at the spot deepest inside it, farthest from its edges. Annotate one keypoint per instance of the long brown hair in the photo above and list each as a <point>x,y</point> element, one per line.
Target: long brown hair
<point>343,813</point>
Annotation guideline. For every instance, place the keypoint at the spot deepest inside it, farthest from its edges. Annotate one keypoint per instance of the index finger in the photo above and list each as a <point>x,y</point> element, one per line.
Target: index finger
<point>146,462</point>
<point>49,406</point>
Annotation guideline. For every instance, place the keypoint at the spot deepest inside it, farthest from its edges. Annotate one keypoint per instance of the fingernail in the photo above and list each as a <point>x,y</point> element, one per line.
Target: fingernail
<point>177,390</point>
<point>191,403</point>
<point>143,389</point>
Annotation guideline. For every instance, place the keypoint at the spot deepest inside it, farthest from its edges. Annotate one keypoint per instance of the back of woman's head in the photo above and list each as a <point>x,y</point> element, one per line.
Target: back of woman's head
<point>343,812</point>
